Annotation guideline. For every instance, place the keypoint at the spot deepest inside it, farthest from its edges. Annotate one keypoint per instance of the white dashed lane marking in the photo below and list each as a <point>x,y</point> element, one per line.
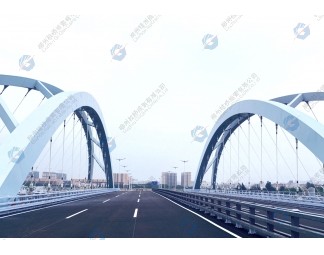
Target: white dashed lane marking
<point>69,217</point>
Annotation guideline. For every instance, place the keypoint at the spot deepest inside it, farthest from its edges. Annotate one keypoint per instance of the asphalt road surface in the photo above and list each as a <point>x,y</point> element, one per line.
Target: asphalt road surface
<point>134,214</point>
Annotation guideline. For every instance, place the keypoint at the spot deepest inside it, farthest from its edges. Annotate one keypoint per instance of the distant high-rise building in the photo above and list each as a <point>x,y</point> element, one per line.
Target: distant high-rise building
<point>121,179</point>
<point>169,179</point>
<point>186,179</point>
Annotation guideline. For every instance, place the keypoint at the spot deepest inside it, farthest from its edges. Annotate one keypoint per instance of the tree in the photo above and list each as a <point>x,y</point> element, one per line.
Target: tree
<point>309,185</point>
<point>282,188</point>
<point>269,186</point>
<point>255,187</point>
<point>243,186</point>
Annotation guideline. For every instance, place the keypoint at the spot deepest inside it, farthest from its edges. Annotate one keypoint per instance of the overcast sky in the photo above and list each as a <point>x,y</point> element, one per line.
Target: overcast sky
<point>198,79</point>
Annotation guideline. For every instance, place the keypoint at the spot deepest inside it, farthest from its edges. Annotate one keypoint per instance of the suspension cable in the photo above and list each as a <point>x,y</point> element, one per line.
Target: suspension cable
<point>47,151</point>
<point>17,106</point>
<point>81,135</point>
<point>4,88</point>
<point>49,167</point>
<point>223,160</point>
<point>72,150</point>
<point>320,163</point>
<point>41,101</point>
<point>238,151</point>
<point>261,183</point>
<point>63,153</point>
<point>249,151</point>
<point>230,138</point>
<point>277,157</point>
<point>265,150</point>
<point>292,147</point>
<point>311,110</point>
<point>283,158</point>
<point>297,163</point>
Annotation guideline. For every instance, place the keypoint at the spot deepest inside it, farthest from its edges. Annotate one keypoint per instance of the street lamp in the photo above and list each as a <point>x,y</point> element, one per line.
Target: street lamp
<point>175,169</point>
<point>184,169</point>
<point>119,159</point>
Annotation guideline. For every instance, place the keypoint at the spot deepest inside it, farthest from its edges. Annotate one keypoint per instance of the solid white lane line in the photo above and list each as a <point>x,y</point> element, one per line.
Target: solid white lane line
<point>138,200</point>
<point>106,201</point>
<point>135,213</point>
<point>209,221</point>
<point>76,214</point>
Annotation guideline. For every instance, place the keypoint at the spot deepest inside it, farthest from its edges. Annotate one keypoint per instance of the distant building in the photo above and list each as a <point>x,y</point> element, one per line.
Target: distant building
<point>169,179</point>
<point>54,176</point>
<point>186,179</point>
<point>33,174</point>
<point>205,185</point>
<point>291,184</point>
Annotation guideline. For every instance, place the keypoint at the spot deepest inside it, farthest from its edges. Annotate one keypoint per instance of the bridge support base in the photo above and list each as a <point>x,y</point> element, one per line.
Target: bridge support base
<point>237,225</point>
<point>252,232</point>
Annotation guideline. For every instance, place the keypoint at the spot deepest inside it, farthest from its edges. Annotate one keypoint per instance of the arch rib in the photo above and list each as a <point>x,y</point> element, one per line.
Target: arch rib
<point>279,110</point>
<point>20,150</point>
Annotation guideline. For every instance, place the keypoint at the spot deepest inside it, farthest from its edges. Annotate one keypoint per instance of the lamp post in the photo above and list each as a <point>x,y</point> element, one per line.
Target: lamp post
<point>175,169</point>
<point>169,182</point>
<point>184,169</point>
<point>123,178</point>
<point>127,171</point>
<point>130,182</point>
<point>119,159</point>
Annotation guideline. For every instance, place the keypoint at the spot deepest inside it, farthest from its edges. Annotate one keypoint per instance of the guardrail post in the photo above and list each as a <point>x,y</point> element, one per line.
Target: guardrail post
<point>212,207</point>
<point>219,209</point>
<point>238,215</point>
<point>228,212</point>
<point>202,204</point>
<point>270,216</point>
<point>207,206</point>
<point>295,223</point>
<point>252,221</point>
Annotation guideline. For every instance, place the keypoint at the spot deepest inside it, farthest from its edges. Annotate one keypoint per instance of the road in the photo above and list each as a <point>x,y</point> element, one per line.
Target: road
<point>134,214</point>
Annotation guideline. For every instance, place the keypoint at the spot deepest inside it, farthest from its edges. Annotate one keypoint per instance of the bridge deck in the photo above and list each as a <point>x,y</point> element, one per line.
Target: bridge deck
<point>138,214</point>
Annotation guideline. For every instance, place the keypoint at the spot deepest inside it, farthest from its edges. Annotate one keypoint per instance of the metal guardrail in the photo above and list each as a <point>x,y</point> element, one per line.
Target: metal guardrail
<point>301,198</point>
<point>267,221</point>
<point>10,205</point>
